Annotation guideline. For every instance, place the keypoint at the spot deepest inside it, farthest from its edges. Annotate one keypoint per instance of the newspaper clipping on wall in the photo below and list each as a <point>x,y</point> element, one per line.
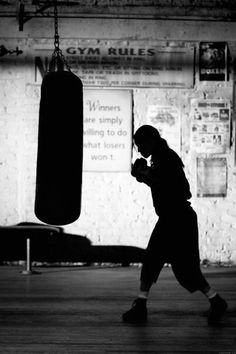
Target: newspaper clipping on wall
<point>210,126</point>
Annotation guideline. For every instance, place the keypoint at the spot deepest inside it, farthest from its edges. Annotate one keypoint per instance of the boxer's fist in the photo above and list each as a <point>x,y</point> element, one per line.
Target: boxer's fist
<point>138,166</point>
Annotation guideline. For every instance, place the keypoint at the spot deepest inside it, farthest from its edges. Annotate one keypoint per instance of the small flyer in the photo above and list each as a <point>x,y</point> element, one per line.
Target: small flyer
<point>210,129</point>
<point>167,120</point>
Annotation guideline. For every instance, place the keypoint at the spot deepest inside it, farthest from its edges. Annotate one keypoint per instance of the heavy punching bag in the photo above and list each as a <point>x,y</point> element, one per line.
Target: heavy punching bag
<point>60,147</point>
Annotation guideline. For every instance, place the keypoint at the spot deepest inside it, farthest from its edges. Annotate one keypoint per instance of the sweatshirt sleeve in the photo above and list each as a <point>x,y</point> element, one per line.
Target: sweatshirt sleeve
<point>149,176</point>
<point>167,177</point>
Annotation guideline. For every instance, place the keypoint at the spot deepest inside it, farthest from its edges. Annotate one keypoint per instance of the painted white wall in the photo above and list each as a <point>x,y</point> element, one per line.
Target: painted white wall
<point>115,208</point>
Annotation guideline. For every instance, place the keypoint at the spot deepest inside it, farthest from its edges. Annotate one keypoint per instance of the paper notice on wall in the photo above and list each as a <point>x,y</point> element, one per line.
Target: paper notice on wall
<point>210,131</point>
<point>167,121</point>
<point>107,130</point>
<point>211,177</point>
<point>120,63</point>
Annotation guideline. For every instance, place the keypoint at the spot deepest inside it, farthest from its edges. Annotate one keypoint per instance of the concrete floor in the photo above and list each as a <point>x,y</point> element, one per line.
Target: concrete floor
<point>78,310</point>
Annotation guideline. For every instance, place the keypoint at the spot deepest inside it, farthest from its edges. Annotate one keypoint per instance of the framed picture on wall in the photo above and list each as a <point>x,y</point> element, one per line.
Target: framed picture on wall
<point>213,61</point>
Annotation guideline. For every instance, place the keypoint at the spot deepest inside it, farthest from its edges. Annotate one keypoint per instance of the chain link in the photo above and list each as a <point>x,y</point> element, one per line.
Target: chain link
<point>57,56</point>
<point>56,35</point>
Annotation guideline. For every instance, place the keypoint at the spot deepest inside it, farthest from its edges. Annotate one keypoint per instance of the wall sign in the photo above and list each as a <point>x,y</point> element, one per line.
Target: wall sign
<point>122,63</point>
<point>213,61</point>
<point>107,130</point>
<point>210,125</point>
<point>211,177</point>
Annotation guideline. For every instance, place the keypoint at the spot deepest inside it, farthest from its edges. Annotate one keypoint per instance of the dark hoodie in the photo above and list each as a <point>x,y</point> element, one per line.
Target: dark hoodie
<point>166,178</point>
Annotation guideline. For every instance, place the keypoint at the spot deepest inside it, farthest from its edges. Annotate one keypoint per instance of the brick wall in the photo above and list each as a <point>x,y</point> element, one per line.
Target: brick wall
<point>115,208</point>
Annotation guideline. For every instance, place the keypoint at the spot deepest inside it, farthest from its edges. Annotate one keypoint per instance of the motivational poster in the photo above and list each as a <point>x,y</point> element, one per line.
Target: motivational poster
<point>107,130</point>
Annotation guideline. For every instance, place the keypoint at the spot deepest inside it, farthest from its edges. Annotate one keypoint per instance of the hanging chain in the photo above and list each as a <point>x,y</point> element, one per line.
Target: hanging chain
<point>57,56</point>
<point>56,35</point>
